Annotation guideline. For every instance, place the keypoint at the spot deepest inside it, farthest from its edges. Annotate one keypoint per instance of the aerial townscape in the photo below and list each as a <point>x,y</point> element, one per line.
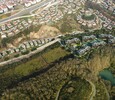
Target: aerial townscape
<point>57,49</point>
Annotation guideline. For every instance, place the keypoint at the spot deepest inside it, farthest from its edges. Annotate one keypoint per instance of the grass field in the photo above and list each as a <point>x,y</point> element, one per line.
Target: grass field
<point>92,17</point>
<point>41,61</point>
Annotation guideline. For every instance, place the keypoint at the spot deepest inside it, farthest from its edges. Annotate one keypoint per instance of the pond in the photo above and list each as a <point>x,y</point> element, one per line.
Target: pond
<point>107,75</point>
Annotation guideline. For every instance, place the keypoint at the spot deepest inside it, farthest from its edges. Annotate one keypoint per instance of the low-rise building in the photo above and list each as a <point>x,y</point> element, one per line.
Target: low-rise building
<point>86,38</point>
<point>106,36</point>
<point>98,43</point>
<point>111,41</point>
<point>3,35</point>
<point>74,40</point>
<point>84,50</point>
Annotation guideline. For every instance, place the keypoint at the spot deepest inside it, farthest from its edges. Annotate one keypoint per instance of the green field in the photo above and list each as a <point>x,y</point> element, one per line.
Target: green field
<point>41,61</point>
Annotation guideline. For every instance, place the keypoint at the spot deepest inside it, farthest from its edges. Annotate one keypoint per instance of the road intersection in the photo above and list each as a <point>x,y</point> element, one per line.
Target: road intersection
<point>25,11</point>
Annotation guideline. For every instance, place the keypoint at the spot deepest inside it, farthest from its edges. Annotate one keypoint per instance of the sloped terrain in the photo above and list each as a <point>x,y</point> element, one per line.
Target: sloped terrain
<point>46,86</point>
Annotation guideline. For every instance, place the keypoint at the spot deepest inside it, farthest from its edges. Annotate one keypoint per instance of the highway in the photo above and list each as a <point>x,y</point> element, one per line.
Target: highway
<point>25,11</point>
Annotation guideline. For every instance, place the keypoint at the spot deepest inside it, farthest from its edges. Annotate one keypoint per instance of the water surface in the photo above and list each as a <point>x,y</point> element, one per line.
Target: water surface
<point>107,75</point>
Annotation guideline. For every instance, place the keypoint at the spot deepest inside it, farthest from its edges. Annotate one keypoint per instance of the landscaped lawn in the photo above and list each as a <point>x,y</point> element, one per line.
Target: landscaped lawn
<point>88,17</point>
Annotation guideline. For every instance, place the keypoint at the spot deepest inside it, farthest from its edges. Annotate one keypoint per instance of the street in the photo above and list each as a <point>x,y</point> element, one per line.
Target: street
<point>25,11</point>
<point>30,54</point>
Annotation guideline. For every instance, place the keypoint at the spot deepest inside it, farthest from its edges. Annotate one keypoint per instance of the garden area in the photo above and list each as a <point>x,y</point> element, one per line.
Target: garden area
<point>91,17</point>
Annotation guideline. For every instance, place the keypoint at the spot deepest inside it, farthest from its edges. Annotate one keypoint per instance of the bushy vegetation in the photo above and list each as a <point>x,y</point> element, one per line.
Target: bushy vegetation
<point>101,91</point>
<point>65,27</point>
<point>47,84</point>
<point>92,17</point>
<point>67,24</point>
<point>75,89</point>
<point>25,52</point>
<point>15,73</point>
<point>45,74</point>
<point>58,78</point>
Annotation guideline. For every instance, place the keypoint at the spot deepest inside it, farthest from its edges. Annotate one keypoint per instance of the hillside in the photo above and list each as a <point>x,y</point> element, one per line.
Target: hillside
<point>45,32</point>
<point>48,84</point>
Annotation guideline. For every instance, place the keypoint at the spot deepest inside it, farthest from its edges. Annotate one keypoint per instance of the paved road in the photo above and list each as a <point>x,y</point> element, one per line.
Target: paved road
<point>57,95</point>
<point>26,10</point>
<point>30,54</point>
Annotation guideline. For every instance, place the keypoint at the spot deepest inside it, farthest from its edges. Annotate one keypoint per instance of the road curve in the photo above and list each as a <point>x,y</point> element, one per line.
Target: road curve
<point>26,11</point>
<point>93,92</point>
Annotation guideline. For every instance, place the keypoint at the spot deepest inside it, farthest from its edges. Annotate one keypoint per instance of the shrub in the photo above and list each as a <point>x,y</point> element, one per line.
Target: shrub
<point>17,55</point>
<point>25,52</point>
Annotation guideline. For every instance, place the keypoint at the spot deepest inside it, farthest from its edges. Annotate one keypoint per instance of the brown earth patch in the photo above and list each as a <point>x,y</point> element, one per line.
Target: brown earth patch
<point>45,32</point>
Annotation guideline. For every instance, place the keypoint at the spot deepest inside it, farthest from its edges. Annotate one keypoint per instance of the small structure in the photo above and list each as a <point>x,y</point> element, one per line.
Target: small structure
<point>74,40</point>
<point>87,38</point>
<point>84,50</point>
<point>98,43</point>
<point>111,41</point>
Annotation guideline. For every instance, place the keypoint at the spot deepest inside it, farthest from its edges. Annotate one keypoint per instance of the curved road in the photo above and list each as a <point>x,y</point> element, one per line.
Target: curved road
<point>26,10</point>
<point>93,92</point>
<point>57,96</point>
